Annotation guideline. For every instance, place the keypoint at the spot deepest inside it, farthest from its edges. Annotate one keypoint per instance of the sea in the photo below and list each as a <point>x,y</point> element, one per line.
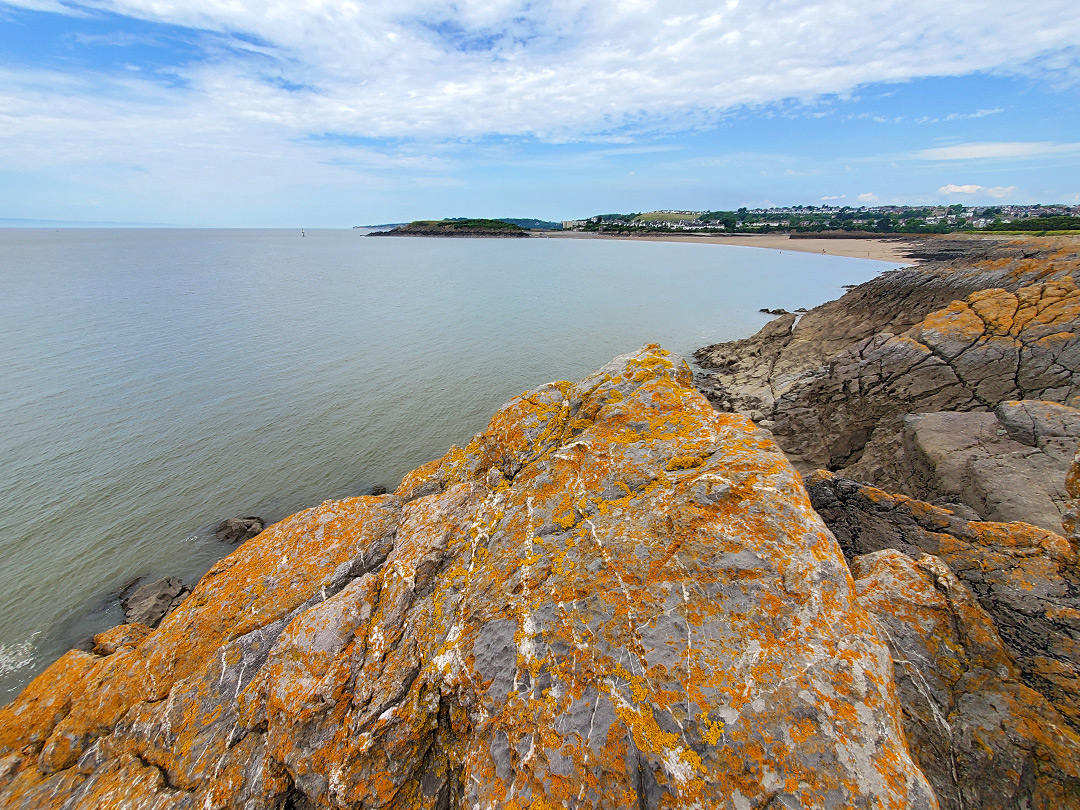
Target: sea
<point>156,381</point>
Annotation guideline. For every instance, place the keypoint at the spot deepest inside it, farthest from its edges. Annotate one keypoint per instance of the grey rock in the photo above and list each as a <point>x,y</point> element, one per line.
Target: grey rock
<point>1009,465</point>
<point>239,529</point>
<point>1024,577</point>
<point>151,602</point>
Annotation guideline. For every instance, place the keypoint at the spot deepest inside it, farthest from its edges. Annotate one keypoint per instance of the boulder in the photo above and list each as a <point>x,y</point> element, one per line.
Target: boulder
<point>1008,465</point>
<point>151,602</point>
<point>239,529</point>
<point>1024,577</point>
<point>613,597</point>
<point>982,737</point>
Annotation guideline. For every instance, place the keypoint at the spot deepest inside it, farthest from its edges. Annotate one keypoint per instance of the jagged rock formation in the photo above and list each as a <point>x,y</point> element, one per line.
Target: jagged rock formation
<point>151,602</point>
<point>239,529</point>
<point>614,597</point>
<point>984,738</point>
<point>1071,520</point>
<point>1009,465</point>
<point>1027,579</point>
<point>834,388</point>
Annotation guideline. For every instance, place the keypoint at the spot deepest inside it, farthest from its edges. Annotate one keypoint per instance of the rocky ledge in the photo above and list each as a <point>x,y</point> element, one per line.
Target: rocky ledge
<point>613,597</point>
<point>989,327</point>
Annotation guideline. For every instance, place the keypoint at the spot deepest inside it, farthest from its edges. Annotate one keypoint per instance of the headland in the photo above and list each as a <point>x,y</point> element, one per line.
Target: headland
<point>477,228</point>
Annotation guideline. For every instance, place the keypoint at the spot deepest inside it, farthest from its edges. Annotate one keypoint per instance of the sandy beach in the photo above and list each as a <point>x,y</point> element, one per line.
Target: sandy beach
<point>890,249</point>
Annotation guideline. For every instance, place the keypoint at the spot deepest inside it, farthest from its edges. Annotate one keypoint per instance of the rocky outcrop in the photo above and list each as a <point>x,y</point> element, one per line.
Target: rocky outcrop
<point>1071,520</point>
<point>239,529</point>
<point>613,597</point>
<point>958,336</point>
<point>1024,577</point>
<point>984,738</point>
<point>993,347</point>
<point>1008,465</point>
<point>149,603</point>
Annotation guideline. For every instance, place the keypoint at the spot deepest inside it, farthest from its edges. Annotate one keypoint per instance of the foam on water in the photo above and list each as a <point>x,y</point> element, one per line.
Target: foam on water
<point>18,656</point>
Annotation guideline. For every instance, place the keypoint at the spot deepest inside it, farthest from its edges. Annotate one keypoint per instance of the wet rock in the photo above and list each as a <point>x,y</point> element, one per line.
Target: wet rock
<point>612,597</point>
<point>239,530</point>
<point>151,602</point>
<point>982,737</point>
<point>1024,577</point>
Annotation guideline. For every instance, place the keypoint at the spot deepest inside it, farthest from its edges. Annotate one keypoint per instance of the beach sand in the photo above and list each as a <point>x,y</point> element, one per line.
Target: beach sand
<point>883,250</point>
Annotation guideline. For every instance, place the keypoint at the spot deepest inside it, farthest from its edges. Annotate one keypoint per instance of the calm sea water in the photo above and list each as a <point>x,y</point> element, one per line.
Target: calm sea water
<point>154,382</point>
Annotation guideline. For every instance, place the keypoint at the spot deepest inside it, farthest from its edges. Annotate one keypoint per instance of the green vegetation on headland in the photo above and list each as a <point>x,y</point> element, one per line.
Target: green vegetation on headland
<point>811,219</point>
<point>456,227</point>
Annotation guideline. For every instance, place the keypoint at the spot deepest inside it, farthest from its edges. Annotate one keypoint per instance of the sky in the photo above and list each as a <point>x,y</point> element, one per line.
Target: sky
<point>333,113</point>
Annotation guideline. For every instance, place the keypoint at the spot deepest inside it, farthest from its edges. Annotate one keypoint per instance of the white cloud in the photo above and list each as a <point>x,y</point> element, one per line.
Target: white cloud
<point>412,84</point>
<point>990,151</point>
<point>575,68</point>
<point>996,192</point>
<point>835,197</point>
<point>868,197</point>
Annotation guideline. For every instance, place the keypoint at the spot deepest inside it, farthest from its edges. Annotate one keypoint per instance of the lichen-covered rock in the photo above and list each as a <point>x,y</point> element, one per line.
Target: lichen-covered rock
<point>1026,578</point>
<point>614,597</point>
<point>983,738</point>
<point>997,324</point>
<point>748,376</point>
<point>992,347</point>
<point>1071,520</point>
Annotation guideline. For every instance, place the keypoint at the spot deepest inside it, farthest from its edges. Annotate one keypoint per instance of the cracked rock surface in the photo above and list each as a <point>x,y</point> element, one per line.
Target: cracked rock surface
<point>984,738</point>
<point>963,335</point>
<point>1009,465</point>
<point>614,597</point>
<point>1025,578</point>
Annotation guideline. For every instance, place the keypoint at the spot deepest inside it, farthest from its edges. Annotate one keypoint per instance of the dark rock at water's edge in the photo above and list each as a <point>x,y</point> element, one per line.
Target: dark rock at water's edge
<point>780,311</point>
<point>239,529</point>
<point>149,603</point>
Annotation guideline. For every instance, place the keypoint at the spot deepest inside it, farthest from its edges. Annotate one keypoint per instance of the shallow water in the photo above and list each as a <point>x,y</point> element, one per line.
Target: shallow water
<point>154,382</point>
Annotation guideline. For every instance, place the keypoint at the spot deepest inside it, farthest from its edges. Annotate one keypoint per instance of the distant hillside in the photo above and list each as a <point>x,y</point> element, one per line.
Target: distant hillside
<point>535,224</point>
<point>457,227</point>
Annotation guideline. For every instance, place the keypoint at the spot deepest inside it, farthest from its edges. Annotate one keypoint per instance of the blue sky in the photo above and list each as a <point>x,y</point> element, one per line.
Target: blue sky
<point>332,113</point>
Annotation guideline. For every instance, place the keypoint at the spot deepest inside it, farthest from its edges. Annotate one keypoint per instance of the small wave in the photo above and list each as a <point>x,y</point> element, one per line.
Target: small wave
<point>14,657</point>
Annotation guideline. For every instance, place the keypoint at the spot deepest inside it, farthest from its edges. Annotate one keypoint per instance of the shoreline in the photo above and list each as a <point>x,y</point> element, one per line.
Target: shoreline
<point>887,249</point>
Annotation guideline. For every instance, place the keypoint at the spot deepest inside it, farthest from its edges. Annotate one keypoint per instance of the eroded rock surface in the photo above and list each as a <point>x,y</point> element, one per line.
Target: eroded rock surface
<point>239,529</point>
<point>1024,577</point>
<point>999,325</point>
<point>1008,465</point>
<point>614,597</point>
<point>984,739</point>
<point>150,602</point>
